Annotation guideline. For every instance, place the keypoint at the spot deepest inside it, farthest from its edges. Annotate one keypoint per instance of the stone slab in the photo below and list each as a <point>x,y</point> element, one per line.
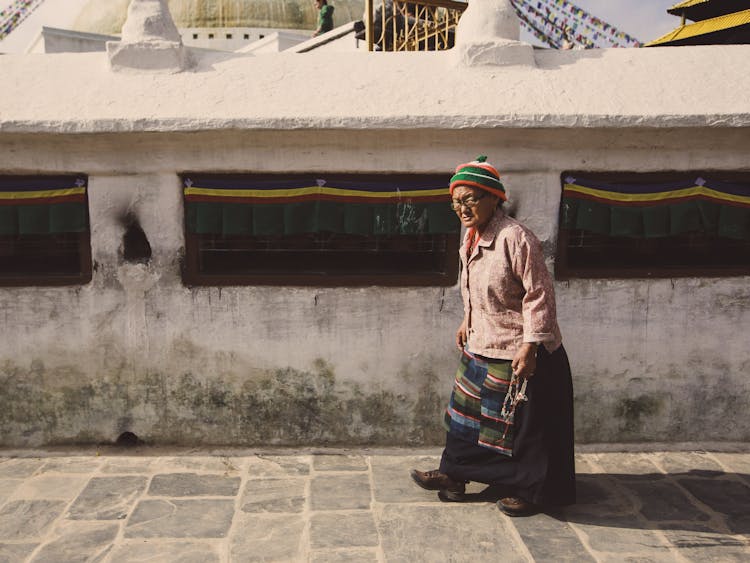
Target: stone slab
<point>267,537</point>
<point>127,465</point>
<point>15,552</point>
<point>627,466</point>
<point>449,532</point>
<point>344,556</point>
<point>392,482</point>
<point>339,463</point>
<point>624,540</point>
<point>550,539</point>
<point>8,487</point>
<point>108,498</point>
<point>736,463</point>
<point>58,487</point>
<point>663,500</point>
<point>598,495</point>
<point>166,552</point>
<point>700,545</point>
<point>72,465</point>
<point>725,496</point>
<point>207,464</point>
<point>19,468</point>
<point>78,542</point>
<point>193,518</point>
<point>26,519</point>
<point>274,495</point>
<point>261,467</point>
<point>192,484</point>
<point>340,492</point>
<point>688,462</point>
<point>353,529</point>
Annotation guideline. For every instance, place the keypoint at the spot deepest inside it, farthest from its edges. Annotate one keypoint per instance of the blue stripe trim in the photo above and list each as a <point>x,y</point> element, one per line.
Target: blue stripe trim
<point>40,183</point>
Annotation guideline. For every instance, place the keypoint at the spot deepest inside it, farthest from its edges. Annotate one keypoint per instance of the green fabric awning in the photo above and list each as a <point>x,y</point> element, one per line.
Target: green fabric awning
<point>233,205</point>
<point>39,205</point>
<point>657,210</point>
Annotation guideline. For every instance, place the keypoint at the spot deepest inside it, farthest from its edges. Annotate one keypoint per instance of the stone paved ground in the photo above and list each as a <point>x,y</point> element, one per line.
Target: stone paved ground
<point>334,506</point>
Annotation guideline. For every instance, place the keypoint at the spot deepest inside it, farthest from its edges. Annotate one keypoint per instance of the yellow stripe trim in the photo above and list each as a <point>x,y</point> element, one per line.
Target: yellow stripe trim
<point>313,190</point>
<point>661,196</point>
<point>42,193</point>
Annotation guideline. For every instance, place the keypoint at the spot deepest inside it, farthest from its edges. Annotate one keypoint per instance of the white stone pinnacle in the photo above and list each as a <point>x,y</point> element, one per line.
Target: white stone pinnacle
<point>488,34</point>
<point>150,40</point>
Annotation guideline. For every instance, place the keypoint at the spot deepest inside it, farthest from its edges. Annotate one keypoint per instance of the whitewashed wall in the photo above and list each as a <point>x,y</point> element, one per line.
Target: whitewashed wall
<point>653,360</point>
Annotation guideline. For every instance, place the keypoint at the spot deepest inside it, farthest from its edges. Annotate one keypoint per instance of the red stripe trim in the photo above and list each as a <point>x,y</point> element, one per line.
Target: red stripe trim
<point>497,380</point>
<point>467,392</point>
<point>497,419</point>
<point>450,410</point>
<point>494,446</point>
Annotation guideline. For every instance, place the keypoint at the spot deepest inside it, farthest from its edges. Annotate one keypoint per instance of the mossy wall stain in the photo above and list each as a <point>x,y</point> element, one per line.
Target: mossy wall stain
<point>634,412</point>
<point>281,406</point>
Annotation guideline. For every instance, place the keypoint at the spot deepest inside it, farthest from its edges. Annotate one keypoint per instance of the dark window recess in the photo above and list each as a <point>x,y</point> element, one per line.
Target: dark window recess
<point>683,235</point>
<point>229,35</point>
<point>261,36</point>
<point>246,36</point>
<point>195,36</point>
<point>210,35</point>
<point>346,252</point>
<point>324,259</point>
<point>44,234</point>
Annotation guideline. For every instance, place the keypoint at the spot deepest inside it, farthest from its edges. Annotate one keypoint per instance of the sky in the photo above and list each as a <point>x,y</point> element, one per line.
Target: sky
<point>643,19</point>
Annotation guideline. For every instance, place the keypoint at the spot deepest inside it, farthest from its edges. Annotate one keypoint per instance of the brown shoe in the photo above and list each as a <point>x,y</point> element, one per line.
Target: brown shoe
<point>514,506</point>
<point>436,481</point>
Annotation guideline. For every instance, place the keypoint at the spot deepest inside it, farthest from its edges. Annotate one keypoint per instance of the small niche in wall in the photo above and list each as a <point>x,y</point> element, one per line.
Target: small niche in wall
<point>135,245</point>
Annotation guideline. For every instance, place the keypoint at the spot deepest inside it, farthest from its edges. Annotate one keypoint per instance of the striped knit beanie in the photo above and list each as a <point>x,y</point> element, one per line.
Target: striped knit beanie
<point>479,174</point>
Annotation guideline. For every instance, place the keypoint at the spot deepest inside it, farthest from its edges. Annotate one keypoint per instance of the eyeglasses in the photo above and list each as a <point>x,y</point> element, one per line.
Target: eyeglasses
<point>471,202</point>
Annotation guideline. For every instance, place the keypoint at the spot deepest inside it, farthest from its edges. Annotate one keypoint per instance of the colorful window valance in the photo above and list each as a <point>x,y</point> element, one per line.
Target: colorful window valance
<point>246,205</point>
<point>38,205</point>
<point>657,210</point>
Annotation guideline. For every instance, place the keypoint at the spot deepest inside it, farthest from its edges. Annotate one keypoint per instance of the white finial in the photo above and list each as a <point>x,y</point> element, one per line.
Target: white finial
<point>150,40</point>
<point>488,33</point>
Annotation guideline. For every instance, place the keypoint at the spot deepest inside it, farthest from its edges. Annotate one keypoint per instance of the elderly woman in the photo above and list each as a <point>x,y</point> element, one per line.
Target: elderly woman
<point>509,421</point>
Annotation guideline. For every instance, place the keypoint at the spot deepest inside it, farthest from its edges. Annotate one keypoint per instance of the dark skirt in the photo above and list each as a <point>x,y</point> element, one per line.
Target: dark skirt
<point>542,468</point>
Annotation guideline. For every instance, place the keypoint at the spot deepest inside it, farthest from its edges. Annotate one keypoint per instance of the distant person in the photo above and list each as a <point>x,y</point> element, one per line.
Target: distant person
<point>510,416</point>
<point>325,17</point>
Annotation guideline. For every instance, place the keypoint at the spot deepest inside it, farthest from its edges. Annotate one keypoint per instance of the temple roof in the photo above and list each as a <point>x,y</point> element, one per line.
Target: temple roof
<point>699,10</point>
<point>698,32</point>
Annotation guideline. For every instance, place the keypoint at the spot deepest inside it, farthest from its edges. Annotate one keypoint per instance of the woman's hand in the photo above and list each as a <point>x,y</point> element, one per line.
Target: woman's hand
<point>461,336</point>
<point>524,362</point>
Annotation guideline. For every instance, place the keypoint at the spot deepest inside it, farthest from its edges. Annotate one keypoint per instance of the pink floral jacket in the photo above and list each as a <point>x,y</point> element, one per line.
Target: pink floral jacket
<point>507,290</point>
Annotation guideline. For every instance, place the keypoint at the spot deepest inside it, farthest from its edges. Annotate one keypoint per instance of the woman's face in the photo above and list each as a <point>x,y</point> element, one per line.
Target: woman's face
<point>480,209</point>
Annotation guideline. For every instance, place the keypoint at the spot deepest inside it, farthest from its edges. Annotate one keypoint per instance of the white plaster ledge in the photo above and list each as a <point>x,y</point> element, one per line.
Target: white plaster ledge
<point>416,122</point>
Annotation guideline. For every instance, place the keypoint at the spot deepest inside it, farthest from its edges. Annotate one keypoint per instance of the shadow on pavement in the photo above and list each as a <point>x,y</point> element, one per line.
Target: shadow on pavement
<point>693,501</point>
<point>698,500</point>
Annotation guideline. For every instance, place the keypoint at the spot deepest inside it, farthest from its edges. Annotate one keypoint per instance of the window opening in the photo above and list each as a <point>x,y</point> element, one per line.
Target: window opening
<point>654,225</point>
<point>44,231</point>
<point>327,231</point>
